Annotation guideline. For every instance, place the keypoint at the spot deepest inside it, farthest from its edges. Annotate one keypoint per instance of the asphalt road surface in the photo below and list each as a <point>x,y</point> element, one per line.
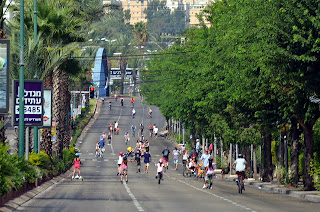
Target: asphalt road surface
<point>101,189</point>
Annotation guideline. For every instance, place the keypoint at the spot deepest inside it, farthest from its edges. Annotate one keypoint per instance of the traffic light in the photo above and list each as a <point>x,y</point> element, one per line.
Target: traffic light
<point>91,93</point>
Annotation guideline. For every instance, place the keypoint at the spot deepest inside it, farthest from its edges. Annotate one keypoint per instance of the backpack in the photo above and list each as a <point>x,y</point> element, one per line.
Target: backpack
<point>165,153</point>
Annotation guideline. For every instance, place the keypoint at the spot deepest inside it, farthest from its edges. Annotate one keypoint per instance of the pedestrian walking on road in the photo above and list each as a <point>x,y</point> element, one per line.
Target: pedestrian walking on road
<point>176,155</point>
<point>147,160</point>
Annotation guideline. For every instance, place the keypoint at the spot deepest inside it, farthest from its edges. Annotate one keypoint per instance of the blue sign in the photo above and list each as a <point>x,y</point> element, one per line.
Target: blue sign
<point>33,98</point>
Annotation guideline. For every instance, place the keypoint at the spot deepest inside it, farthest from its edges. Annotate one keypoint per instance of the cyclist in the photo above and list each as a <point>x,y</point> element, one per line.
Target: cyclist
<point>132,102</point>
<point>240,165</point>
<point>109,138</point>
<point>141,129</point>
<point>103,136</point>
<point>126,137</point>
<point>110,104</point>
<point>116,97</point>
<point>121,100</point>
<point>133,129</point>
<point>133,113</point>
<point>116,125</point>
<point>77,163</point>
<point>209,174</point>
<point>160,167</point>
<point>150,112</point>
<point>102,100</point>
<point>97,149</point>
<point>155,131</point>
<point>150,130</point>
<point>137,158</point>
<point>165,156</point>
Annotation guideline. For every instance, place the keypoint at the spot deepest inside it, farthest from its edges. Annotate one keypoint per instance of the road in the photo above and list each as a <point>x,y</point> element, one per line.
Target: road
<point>101,189</point>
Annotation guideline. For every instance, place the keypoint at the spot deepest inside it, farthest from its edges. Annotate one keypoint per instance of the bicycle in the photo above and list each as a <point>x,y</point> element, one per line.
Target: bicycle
<point>110,105</point>
<point>240,182</point>
<point>159,177</point>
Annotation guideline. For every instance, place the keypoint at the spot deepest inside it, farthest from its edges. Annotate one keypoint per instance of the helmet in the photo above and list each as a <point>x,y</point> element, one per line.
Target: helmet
<point>129,148</point>
<point>160,161</point>
<point>77,154</point>
<point>121,153</point>
<point>240,156</point>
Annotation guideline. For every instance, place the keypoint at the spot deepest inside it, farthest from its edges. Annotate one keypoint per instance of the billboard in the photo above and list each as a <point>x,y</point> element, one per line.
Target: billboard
<point>33,98</point>
<point>4,75</point>
<point>47,107</point>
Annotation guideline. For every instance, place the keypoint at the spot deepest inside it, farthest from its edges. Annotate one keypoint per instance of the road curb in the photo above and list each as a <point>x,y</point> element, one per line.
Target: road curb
<point>313,196</point>
<point>13,204</point>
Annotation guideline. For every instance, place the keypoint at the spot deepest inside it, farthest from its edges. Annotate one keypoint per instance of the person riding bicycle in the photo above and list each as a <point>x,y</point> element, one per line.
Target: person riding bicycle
<point>240,166</point>
<point>150,130</point>
<point>133,112</point>
<point>160,167</point>
<point>101,144</point>
<point>150,112</point>
<point>126,137</point>
<point>77,163</point>
<point>137,158</point>
<point>110,104</point>
<point>132,101</point>
<point>121,100</point>
<point>133,130</point>
<point>109,138</point>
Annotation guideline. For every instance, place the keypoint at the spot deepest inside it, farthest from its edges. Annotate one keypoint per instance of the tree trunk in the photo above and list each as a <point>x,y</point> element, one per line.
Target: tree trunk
<point>255,170</point>
<point>46,143</point>
<point>294,168</point>
<point>267,175</point>
<point>308,154</point>
<point>123,66</point>
<point>60,108</point>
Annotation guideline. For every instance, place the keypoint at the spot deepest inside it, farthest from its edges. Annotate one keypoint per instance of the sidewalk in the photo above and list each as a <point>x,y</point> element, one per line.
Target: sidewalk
<point>313,196</point>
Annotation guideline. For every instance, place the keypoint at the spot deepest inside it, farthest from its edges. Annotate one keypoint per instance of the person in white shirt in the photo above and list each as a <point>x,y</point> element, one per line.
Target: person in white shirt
<point>160,167</point>
<point>240,166</point>
<point>155,131</point>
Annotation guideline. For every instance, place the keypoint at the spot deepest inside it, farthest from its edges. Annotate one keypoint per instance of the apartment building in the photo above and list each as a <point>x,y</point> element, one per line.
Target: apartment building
<point>136,8</point>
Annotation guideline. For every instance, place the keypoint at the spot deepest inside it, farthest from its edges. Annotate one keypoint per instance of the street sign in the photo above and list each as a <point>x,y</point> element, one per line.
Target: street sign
<point>33,99</point>
<point>4,75</point>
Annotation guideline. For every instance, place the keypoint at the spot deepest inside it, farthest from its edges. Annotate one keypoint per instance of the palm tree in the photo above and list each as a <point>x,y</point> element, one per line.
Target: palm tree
<point>125,48</point>
<point>141,33</point>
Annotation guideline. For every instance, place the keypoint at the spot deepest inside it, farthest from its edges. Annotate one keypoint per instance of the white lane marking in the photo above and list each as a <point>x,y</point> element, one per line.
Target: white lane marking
<point>134,199</point>
<point>217,196</point>
<point>106,160</point>
<point>94,159</point>
<point>90,153</point>
<point>112,151</point>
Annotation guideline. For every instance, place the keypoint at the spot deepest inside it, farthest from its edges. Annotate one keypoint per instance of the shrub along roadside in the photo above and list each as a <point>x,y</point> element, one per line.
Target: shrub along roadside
<point>15,171</point>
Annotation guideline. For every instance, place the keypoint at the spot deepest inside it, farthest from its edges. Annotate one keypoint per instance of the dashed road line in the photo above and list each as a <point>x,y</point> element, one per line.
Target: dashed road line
<point>134,199</point>
<point>217,196</point>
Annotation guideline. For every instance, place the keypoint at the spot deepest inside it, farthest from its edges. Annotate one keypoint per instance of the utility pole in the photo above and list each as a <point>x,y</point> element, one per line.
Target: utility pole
<point>21,82</point>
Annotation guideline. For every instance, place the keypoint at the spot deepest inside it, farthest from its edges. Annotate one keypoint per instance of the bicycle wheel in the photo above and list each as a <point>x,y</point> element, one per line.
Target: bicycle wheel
<point>240,185</point>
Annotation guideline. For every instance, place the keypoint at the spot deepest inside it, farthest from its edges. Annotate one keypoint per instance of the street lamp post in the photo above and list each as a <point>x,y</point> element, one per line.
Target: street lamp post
<point>21,82</point>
